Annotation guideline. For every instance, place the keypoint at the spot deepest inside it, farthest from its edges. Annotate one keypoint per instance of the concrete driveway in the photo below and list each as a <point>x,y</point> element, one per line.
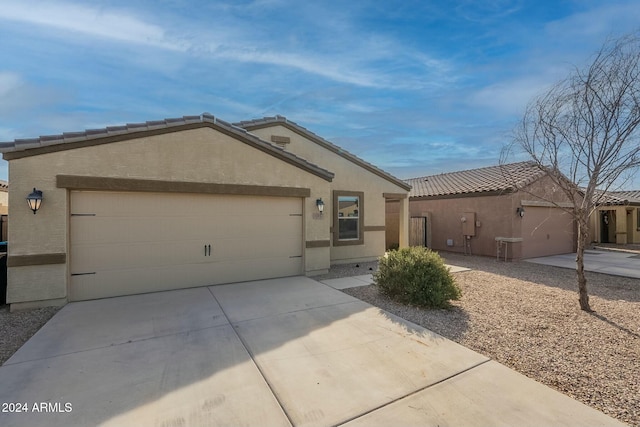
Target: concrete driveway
<point>277,352</point>
<point>626,264</point>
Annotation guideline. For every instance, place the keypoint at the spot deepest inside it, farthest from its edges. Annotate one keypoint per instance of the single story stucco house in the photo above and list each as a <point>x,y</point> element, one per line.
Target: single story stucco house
<point>187,202</point>
<point>466,211</point>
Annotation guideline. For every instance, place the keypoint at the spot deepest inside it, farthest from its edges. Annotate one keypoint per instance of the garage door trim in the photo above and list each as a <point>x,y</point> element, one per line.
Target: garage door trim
<point>77,182</point>
<point>545,204</point>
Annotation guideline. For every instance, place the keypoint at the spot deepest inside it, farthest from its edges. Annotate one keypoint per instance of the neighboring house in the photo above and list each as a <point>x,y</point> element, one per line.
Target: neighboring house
<point>467,211</point>
<point>4,197</point>
<point>617,218</point>
<point>187,202</point>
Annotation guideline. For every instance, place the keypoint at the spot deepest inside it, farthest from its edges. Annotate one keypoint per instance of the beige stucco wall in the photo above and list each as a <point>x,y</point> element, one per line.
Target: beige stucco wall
<point>348,177</point>
<point>633,232</point>
<point>496,217</point>
<point>392,224</point>
<point>199,155</point>
<point>493,214</point>
<point>623,225</point>
<point>4,202</point>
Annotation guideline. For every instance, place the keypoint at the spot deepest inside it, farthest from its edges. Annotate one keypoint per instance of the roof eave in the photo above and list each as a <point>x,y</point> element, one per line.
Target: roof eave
<point>464,195</point>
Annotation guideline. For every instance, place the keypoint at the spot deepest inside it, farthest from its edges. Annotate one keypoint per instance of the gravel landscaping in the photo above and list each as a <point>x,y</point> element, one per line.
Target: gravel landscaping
<point>526,316</point>
<point>16,328</point>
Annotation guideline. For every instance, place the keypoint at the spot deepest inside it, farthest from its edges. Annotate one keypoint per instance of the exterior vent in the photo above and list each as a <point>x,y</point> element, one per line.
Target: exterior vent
<point>280,141</point>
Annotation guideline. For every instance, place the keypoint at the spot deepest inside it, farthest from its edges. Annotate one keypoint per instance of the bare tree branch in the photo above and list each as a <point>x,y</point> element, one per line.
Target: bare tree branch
<point>584,133</point>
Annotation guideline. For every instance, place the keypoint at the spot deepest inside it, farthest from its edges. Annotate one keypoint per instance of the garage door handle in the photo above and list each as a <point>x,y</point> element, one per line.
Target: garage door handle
<point>207,250</point>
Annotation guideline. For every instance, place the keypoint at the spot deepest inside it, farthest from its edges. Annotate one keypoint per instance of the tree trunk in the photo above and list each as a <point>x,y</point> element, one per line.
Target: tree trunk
<point>583,237</point>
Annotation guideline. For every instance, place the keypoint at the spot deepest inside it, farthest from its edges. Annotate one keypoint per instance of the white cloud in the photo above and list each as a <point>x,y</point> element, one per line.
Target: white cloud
<point>355,60</point>
<point>8,82</point>
<point>94,22</point>
<point>325,67</point>
<point>487,11</point>
<point>509,97</point>
<point>18,95</point>
<point>595,24</point>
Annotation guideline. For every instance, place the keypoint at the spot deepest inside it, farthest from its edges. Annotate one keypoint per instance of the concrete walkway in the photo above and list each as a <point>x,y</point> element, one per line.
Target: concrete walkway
<point>367,279</point>
<point>624,264</point>
<point>279,352</point>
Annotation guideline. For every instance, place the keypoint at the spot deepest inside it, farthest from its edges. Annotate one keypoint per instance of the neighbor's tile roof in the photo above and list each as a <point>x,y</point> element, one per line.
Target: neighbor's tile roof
<point>503,178</point>
<point>619,198</point>
<point>4,185</point>
<point>275,120</point>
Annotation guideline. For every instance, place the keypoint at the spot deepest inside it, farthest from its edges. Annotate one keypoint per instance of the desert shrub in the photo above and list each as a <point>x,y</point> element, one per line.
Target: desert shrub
<point>417,276</point>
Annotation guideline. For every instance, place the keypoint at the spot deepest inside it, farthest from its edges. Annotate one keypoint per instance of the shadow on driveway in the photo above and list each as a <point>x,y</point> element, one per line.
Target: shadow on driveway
<point>274,352</point>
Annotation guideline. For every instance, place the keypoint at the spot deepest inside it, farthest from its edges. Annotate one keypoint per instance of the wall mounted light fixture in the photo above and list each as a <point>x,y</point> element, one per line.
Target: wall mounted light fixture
<point>320,205</point>
<point>34,200</point>
<point>520,211</point>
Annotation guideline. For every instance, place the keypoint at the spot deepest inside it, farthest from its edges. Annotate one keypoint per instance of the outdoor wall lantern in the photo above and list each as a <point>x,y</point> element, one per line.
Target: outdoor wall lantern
<point>320,205</point>
<point>520,211</point>
<point>34,200</point>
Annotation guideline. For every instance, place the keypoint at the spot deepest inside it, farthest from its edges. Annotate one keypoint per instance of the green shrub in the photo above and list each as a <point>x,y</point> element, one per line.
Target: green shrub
<point>417,276</point>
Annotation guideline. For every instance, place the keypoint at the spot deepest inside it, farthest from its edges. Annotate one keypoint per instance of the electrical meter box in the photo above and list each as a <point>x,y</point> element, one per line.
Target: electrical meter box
<point>468,224</point>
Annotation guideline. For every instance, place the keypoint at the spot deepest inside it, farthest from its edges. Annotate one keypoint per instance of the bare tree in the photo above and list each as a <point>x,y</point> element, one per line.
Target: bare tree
<point>583,133</point>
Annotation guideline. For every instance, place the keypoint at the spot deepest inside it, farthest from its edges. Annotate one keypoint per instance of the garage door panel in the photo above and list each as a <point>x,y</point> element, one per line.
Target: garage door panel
<point>140,255</point>
<point>109,229</point>
<point>547,231</point>
<point>105,284</point>
<point>249,248</point>
<point>143,242</point>
<point>248,227</point>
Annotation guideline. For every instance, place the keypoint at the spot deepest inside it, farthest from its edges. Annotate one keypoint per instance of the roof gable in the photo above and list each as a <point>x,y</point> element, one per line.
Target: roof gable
<point>73,140</point>
<point>267,122</point>
<point>488,180</point>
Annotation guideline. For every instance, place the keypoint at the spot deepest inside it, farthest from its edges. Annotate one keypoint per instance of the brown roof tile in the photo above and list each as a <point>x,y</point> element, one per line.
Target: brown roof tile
<point>489,179</point>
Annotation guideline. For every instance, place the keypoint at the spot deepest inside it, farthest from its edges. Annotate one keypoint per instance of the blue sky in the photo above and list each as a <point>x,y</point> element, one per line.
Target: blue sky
<point>415,87</point>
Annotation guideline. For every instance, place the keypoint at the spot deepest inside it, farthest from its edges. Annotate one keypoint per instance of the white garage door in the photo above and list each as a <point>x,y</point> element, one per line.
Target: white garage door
<point>131,243</point>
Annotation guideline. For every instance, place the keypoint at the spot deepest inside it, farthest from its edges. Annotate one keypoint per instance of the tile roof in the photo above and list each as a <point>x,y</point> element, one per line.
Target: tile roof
<point>134,130</point>
<point>619,198</point>
<point>89,134</point>
<point>270,121</point>
<point>483,180</point>
<point>4,185</point>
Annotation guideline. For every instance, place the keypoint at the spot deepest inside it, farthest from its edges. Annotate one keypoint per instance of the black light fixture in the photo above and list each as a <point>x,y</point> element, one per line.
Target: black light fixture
<point>520,211</point>
<point>320,205</point>
<point>34,200</point>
